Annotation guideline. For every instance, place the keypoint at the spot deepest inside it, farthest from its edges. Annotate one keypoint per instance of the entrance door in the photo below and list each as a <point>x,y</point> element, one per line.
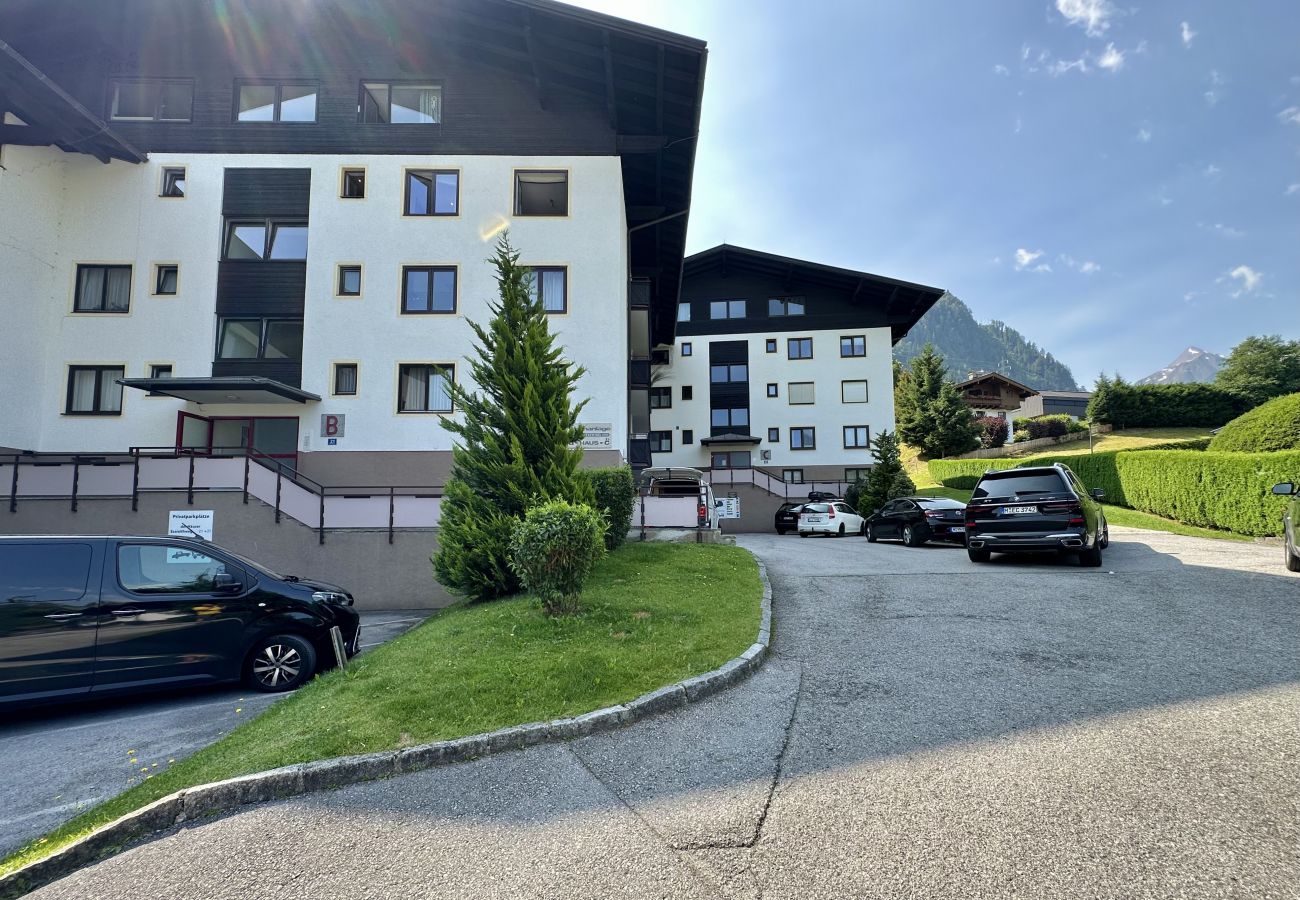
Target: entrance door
<point>273,436</point>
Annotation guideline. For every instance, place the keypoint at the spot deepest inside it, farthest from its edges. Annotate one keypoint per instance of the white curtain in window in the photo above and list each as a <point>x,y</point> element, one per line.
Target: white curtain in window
<point>553,293</point>
<point>440,390</point>
<point>431,104</point>
<point>415,388</point>
<point>118,298</point>
<point>110,392</point>
<point>83,390</point>
<point>90,292</point>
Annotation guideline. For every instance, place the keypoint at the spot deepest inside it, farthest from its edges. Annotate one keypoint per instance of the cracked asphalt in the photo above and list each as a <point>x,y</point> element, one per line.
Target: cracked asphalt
<point>925,728</point>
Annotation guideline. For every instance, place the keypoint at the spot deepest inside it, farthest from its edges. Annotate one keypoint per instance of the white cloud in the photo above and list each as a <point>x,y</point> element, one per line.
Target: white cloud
<point>1111,60</point>
<point>1144,135</point>
<point>1061,66</point>
<point>1020,125</point>
<point>1088,267</point>
<point>1093,16</point>
<point>1291,189</point>
<point>1223,230</point>
<point>1141,47</point>
<point>1211,170</point>
<point>1290,114</point>
<point>1248,277</point>
<point>1025,260</point>
<point>1214,95</point>
<point>1084,267</point>
<point>1186,31</point>
<point>1000,69</point>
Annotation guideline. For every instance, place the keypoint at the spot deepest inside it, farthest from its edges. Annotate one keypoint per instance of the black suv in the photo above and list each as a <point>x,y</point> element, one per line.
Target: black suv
<point>1043,508</point>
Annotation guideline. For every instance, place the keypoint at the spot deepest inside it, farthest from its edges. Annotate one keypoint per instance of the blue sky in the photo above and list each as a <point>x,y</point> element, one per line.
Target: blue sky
<point>1118,182</point>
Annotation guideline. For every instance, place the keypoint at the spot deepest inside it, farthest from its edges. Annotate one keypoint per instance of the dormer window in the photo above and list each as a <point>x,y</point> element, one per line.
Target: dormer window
<point>395,103</point>
<point>275,102</point>
<point>151,100</point>
<point>266,239</point>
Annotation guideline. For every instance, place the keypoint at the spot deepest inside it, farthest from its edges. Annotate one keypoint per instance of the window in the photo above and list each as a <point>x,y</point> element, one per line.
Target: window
<point>853,345</point>
<point>792,476</point>
<point>275,102</point>
<point>774,435</point>
<point>428,289</point>
<point>688,436</point>
<point>733,459</point>
<point>729,418</point>
<point>267,239</point>
<point>803,439</point>
<point>349,283</point>
<point>662,356</point>
<point>260,339</point>
<point>389,103</point>
<point>853,391</point>
<point>94,391</point>
<point>688,392</point>
<point>431,192</point>
<point>551,283</point>
<point>173,182</point>
<point>727,309</point>
<point>166,279</point>
<point>425,387</point>
<point>728,374</point>
<point>801,393</point>
<point>683,312</point>
<point>152,100</point>
<point>661,398</point>
<point>159,370</point>
<point>353,184</point>
<point>852,475</point>
<point>345,379</point>
<point>167,569</point>
<point>785,306</point>
<point>771,345</point>
<point>772,390</point>
<point>855,437</point>
<point>541,193</point>
<point>104,289</point>
<point>661,442</point>
<point>799,348</point>
<point>686,348</point>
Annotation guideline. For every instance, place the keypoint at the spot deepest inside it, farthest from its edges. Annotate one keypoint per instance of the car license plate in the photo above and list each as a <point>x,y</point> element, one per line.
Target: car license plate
<point>957,528</point>
<point>1020,510</point>
<point>816,520</point>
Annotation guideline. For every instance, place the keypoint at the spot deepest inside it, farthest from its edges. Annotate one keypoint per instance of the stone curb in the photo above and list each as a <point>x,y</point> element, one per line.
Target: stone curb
<point>207,800</point>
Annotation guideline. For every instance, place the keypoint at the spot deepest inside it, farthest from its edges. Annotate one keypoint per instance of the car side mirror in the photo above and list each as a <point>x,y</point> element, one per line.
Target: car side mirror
<point>1098,494</point>
<point>1285,489</point>
<point>225,583</point>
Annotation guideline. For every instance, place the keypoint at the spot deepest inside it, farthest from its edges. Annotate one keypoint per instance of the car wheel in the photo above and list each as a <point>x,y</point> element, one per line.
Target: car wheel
<point>870,533</point>
<point>913,537</point>
<point>1105,534</point>
<point>1091,558</point>
<point>280,663</point>
<point>1292,560</point>
<point>780,531</point>
<point>980,556</point>
<point>863,529</point>
<point>803,534</point>
<point>841,531</point>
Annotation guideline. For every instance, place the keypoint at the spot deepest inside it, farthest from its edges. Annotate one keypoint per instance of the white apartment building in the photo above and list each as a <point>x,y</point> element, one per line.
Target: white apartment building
<point>780,365</point>
<point>241,232</point>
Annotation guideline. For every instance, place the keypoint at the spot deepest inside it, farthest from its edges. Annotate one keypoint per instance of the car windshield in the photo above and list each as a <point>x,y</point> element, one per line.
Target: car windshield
<point>816,507</point>
<point>255,566</point>
<point>1018,484</point>
<point>941,503</point>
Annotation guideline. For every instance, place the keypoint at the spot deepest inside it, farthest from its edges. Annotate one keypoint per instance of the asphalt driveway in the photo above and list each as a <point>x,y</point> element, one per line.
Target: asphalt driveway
<point>925,728</point>
<point>63,759</point>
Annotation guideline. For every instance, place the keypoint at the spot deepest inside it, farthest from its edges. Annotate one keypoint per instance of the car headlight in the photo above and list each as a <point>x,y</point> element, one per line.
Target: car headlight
<point>333,597</point>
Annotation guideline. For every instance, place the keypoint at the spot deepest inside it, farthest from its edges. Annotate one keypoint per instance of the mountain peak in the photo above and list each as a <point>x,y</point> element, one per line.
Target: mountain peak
<point>1193,365</point>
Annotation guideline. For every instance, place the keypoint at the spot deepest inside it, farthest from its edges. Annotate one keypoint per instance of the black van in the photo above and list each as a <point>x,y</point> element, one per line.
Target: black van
<point>89,616</point>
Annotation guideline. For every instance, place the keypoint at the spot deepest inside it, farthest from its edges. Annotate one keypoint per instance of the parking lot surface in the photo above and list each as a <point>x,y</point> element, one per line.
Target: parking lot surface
<point>926,728</point>
<point>63,759</point>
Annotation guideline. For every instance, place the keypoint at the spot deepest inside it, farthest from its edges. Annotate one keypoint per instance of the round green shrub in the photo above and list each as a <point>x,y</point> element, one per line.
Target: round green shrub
<point>615,491</point>
<point>553,549</point>
<point>1267,428</point>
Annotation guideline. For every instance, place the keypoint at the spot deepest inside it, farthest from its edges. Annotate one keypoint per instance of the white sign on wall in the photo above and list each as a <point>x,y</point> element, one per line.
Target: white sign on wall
<point>190,523</point>
<point>730,508</point>
<point>597,436</point>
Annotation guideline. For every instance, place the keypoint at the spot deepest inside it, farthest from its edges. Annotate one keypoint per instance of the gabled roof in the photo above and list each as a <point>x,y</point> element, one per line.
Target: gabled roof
<point>999,377</point>
<point>903,301</point>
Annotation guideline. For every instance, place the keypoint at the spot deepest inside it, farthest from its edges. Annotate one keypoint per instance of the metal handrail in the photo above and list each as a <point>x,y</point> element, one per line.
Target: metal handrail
<point>751,477</point>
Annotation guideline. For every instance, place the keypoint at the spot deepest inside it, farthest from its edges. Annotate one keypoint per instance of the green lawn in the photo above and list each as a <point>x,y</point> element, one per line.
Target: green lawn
<point>654,614</point>
<point>1132,518</point>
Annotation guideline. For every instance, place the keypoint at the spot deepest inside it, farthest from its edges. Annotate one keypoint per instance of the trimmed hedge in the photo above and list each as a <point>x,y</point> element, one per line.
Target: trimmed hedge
<point>1163,405</point>
<point>1213,490</point>
<point>1231,491</point>
<point>615,491</point>
<point>1267,428</point>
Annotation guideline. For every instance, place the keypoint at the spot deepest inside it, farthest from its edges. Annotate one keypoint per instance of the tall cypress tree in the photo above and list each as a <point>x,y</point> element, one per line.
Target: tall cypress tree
<point>518,435</point>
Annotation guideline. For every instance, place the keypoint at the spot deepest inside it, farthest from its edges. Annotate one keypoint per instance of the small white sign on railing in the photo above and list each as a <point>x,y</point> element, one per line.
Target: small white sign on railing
<point>730,508</point>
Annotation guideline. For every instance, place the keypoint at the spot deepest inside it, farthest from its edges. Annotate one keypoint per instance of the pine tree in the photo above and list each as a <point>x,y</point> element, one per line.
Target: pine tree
<point>930,414</point>
<point>517,438</point>
<point>1100,404</point>
<point>887,479</point>
<point>953,428</point>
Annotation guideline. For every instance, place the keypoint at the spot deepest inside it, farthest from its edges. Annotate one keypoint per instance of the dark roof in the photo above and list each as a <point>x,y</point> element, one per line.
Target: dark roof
<point>903,302</point>
<point>222,389</point>
<point>998,376</point>
<point>52,115</point>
